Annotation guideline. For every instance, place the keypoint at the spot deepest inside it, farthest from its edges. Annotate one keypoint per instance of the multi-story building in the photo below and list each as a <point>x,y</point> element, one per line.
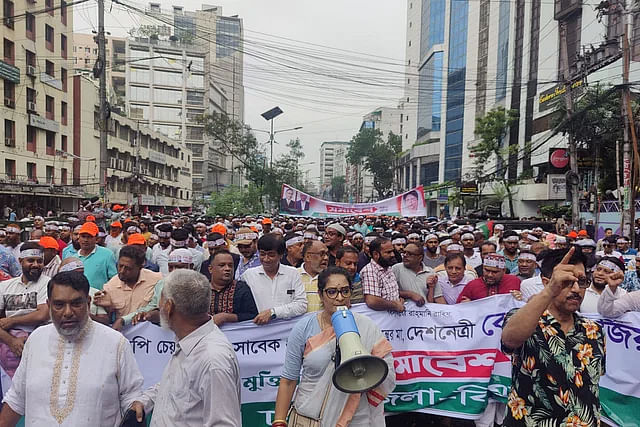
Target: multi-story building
<point>36,171</point>
<point>471,57</point>
<point>328,159</point>
<point>385,119</point>
<point>146,168</point>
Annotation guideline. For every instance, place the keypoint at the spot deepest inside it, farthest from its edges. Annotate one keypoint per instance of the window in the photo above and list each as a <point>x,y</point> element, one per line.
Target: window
<point>32,174</point>
<point>87,50</point>
<point>9,52</point>
<point>30,21</point>
<point>50,68</point>
<point>10,169</point>
<point>63,176</point>
<point>48,37</point>
<point>50,108</point>
<point>31,99</point>
<point>167,114</point>
<point>63,143</point>
<point>139,75</point>
<point>10,94</point>
<point>167,96</point>
<point>50,177</point>
<point>48,4</point>
<point>137,93</point>
<point>63,12</point>
<point>195,81</point>
<point>166,78</point>
<point>30,58</point>
<point>9,133</point>
<point>51,143</point>
<point>63,113</point>
<point>195,133</point>
<point>31,139</point>
<point>195,98</point>
<point>8,13</point>
<point>139,112</point>
<point>63,77</point>
<point>63,46</point>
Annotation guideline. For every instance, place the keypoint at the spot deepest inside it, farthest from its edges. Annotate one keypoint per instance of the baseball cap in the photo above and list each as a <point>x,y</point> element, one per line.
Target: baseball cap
<point>572,235</point>
<point>219,228</point>
<point>89,228</point>
<point>266,221</point>
<point>48,242</point>
<point>91,218</point>
<point>136,239</point>
<point>116,224</point>
<point>582,233</point>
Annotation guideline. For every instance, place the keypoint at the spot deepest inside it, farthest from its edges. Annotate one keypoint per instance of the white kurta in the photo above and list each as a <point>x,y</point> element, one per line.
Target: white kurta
<point>89,382</point>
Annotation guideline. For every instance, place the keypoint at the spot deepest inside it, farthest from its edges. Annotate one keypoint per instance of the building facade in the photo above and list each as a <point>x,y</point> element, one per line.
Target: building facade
<point>146,168</point>
<point>37,174</point>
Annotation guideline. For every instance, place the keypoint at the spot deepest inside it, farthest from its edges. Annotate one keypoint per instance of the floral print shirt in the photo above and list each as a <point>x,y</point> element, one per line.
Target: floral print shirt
<point>555,375</point>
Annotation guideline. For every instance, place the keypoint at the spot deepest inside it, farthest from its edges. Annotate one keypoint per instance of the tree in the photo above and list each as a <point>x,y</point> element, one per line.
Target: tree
<point>369,149</point>
<point>491,129</point>
<point>236,201</point>
<point>338,188</point>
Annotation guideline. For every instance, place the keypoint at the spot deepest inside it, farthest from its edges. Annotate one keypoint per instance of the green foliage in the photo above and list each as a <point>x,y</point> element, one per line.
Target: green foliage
<point>376,155</point>
<point>553,211</point>
<point>338,184</point>
<point>491,130</point>
<point>236,201</point>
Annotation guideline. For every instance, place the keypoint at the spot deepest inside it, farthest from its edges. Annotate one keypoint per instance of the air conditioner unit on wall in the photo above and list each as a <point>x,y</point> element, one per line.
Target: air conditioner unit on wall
<point>10,142</point>
<point>31,70</point>
<point>31,106</point>
<point>8,102</point>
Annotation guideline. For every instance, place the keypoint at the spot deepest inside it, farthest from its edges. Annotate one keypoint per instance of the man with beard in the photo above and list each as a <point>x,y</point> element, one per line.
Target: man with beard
<point>609,246</point>
<point>216,242</point>
<point>566,350</point>
<point>486,248</point>
<point>72,249</point>
<point>625,249</point>
<point>23,299</point>
<point>510,241</point>
<point>361,227</point>
<point>357,240</point>
<point>334,236</point>
<point>468,243</point>
<point>201,384</point>
<point>431,257</point>
<point>163,247</point>
<point>399,242</point>
<point>604,268</point>
<point>494,281</point>
<point>413,277</point>
<point>52,230</point>
<point>294,242</point>
<point>365,256</point>
<point>316,259</point>
<point>247,244</point>
<point>379,284</point>
<point>114,239</point>
<point>231,300</point>
<point>75,371</point>
<point>347,258</point>
<point>12,241</point>
<point>51,259</point>
<point>99,263</point>
<point>65,234</point>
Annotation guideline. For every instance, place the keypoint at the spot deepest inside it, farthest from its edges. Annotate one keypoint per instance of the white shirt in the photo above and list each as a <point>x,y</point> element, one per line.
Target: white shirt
<point>52,268</point>
<point>97,378</point>
<point>201,384</point>
<point>113,243</point>
<point>611,305</point>
<point>530,287</point>
<point>591,297</point>
<point>474,260</point>
<point>285,293</point>
<point>18,299</point>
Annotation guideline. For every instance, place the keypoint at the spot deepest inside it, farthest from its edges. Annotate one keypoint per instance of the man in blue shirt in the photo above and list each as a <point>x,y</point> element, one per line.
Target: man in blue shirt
<point>71,250</point>
<point>624,247</point>
<point>99,263</point>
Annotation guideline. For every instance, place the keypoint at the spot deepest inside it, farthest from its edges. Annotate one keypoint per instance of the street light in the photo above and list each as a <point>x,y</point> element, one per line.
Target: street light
<point>269,116</point>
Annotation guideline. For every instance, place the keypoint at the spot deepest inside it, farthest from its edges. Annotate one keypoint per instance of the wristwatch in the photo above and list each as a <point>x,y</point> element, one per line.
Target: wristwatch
<point>273,313</point>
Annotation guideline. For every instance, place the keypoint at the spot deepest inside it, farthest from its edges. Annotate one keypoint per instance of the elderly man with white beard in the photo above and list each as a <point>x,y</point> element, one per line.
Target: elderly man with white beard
<point>74,372</point>
<point>201,384</point>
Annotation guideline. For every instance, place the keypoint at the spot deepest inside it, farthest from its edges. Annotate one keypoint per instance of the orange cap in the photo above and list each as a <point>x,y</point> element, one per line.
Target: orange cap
<point>219,228</point>
<point>582,233</point>
<point>48,242</point>
<point>116,224</point>
<point>572,235</point>
<point>117,208</point>
<point>91,218</point>
<point>136,239</point>
<point>89,228</point>
<point>267,221</point>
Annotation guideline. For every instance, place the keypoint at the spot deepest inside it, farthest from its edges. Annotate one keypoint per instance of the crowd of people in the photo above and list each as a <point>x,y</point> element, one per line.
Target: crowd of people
<point>68,288</point>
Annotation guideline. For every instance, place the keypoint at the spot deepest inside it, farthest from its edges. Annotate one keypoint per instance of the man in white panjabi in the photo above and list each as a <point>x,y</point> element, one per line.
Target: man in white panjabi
<point>201,384</point>
<point>74,372</point>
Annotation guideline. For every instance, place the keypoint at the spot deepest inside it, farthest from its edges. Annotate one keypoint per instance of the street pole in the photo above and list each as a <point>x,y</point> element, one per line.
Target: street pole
<point>573,151</point>
<point>628,208</point>
<point>271,138</point>
<point>102,95</point>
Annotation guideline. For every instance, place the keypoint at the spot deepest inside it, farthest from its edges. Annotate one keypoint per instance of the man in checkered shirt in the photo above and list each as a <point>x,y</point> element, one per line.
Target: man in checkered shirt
<point>379,284</point>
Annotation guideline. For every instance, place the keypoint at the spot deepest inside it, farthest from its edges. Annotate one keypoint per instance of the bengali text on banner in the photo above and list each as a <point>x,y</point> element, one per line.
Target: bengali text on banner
<point>447,359</point>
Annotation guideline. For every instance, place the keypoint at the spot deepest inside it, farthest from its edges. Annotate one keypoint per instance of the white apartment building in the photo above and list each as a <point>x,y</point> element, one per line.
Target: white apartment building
<point>36,172</point>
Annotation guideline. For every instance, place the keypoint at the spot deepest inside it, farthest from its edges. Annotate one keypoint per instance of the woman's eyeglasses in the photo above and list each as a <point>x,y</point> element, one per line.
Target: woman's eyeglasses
<point>333,292</point>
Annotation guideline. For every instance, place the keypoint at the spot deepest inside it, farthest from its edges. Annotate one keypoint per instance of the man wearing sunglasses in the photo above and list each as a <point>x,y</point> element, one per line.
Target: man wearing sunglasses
<point>605,267</point>
<point>558,356</point>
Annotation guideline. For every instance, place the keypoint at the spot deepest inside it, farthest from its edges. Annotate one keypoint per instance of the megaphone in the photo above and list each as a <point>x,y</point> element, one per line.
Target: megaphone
<point>357,370</point>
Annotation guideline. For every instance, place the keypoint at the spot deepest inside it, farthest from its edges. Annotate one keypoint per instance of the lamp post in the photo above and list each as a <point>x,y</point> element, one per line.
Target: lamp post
<point>269,116</point>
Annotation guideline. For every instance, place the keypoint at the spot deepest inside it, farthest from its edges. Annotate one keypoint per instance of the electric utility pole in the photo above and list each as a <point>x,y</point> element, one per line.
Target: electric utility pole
<point>101,67</point>
<point>573,151</point>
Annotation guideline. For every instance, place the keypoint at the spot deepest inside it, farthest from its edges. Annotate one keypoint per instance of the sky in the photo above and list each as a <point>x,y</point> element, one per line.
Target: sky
<point>324,63</point>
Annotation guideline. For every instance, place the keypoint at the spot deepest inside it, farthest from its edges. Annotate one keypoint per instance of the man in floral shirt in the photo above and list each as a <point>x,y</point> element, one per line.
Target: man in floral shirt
<point>558,356</point>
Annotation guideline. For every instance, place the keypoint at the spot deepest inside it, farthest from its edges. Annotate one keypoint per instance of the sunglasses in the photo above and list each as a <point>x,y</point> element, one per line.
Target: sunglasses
<point>333,292</point>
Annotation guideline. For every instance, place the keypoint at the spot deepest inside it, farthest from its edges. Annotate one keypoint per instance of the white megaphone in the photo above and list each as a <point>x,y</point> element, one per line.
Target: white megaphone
<point>357,370</point>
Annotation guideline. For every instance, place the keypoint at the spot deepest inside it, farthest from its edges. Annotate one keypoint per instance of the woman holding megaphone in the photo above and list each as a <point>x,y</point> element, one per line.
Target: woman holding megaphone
<point>346,364</point>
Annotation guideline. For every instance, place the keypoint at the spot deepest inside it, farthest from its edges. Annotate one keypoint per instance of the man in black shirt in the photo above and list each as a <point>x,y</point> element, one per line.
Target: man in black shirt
<point>231,300</point>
